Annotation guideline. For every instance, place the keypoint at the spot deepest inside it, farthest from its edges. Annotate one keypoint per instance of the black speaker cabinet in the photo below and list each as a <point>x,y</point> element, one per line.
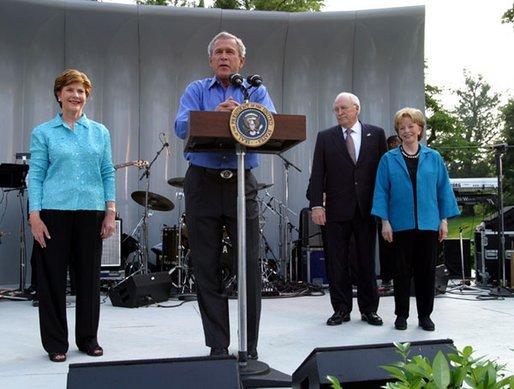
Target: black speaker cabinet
<point>310,233</point>
<point>177,373</point>
<point>141,289</point>
<point>358,366</point>
<point>452,258</point>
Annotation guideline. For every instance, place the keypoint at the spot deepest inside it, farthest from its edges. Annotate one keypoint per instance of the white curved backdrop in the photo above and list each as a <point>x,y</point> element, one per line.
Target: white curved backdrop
<point>140,58</point>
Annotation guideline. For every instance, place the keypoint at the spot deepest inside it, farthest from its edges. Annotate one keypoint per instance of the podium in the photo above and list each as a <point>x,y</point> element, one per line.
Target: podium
<point>210,131</point>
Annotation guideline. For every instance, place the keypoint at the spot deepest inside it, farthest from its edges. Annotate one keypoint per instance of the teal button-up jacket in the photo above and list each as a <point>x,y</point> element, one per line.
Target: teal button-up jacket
<point>70,169</point>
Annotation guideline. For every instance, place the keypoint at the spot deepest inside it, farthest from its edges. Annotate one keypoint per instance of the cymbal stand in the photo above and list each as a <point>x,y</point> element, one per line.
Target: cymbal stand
<point>284,230</point>
<point>264,248</point>
<point>181,268</point>
<point>144,221</point>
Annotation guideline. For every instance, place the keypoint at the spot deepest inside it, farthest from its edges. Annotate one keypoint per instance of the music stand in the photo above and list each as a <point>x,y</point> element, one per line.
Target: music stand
<point>12,178</point>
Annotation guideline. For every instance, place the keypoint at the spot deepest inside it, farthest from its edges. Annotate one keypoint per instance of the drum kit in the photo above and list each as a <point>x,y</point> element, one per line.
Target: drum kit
<point>173,254</point>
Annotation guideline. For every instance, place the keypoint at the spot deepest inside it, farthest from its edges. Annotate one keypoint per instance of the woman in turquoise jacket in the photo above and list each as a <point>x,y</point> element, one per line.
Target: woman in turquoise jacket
<point>414,198</point>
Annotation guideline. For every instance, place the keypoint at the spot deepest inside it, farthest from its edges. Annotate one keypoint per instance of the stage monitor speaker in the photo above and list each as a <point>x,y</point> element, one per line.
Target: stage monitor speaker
<point>452,259</point>
<point>142,289</point>
<point>310,233</point>
<point>111,249</point>
<point>358,366</point>
<point>176,373</point>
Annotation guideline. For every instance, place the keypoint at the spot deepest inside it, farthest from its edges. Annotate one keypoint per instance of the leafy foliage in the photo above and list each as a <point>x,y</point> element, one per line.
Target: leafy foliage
<point>271,5</point>
<point>451,371</point>
<point>460,135</point>
<point>508,162</point>
<point>249,5</point>
<point>508,16</point>
<point>174,3</point>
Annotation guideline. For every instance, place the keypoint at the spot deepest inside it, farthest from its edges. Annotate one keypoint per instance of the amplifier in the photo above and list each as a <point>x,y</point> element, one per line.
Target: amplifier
<point>486,256</point>
<point>111,250</point>
<point>312,266</point>
<point>310,233</point>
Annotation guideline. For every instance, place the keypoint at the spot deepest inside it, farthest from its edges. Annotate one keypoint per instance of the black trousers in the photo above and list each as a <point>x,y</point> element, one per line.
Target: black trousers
<point>416,254</point>
<point>73,234</point>
<point>211,203</point>
<point>340,283</point>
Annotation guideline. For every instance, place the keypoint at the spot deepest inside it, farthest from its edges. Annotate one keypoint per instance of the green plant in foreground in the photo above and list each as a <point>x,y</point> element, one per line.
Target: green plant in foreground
<point>450,371</point>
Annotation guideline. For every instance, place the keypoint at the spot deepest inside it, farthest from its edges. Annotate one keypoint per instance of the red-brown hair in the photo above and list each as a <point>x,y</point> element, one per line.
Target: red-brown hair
<point>71,76</point>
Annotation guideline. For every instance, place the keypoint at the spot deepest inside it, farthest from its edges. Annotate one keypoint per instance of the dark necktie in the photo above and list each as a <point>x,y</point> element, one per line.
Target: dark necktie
<point>350,145</point>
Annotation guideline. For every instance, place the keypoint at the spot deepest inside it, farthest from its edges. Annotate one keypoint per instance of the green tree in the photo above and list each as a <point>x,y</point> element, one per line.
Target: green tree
<point>508,16</point>
<point>508,163</point>
<point>444,132</point>
<point>271,5</point>
<point>174,3</point>
<point>478,111</point>
<point>249,5</point>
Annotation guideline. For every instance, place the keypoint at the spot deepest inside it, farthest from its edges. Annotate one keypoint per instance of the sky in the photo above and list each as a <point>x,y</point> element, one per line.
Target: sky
<point>459,34</point>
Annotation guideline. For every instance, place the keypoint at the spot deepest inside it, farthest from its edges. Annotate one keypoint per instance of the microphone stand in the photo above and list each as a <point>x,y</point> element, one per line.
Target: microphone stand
<point>285,232</point>
<point>501,290</point>
<point>144,225</point>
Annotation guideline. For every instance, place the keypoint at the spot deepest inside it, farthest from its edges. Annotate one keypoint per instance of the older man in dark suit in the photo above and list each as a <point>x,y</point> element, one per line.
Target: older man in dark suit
<point>344,167</point>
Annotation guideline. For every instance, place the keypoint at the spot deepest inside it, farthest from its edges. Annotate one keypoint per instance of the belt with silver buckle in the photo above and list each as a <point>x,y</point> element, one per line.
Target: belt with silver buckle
<point>226,174</point>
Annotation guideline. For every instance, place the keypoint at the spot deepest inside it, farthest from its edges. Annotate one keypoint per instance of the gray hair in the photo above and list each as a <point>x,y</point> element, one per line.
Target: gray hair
<point>226,35</point>
<point>354,99</point>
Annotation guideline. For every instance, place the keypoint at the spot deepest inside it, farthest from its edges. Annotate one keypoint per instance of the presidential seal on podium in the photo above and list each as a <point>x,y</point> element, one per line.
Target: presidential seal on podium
<point>251,124</point>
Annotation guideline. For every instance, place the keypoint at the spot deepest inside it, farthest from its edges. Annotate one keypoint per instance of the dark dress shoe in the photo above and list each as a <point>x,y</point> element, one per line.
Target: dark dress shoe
<point>426,323</point>
<point>400,323</point>
<point>372,318</point>
<point>338,318</point>
<point>216,351</point>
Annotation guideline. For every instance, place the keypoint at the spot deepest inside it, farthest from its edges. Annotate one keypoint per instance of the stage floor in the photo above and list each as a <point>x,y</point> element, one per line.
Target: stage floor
<point>290,329</point>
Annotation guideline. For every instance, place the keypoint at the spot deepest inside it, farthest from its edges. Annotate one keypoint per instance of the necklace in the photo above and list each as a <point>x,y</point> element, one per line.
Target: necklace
<point>411,156</point>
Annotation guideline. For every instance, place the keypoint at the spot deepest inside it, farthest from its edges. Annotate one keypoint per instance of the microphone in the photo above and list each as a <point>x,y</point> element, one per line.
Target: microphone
<point>236,79</point>
<point>254,80</point>
<point>165,143</point>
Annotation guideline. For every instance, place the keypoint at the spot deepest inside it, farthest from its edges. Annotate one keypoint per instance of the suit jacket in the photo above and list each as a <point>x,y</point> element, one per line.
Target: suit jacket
<point>393,199</point>
<point>347,185</point>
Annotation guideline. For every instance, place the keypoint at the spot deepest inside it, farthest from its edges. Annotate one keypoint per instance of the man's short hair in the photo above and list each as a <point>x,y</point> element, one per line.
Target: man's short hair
<point>226,35</point>
<point>414,114</point>
<point>354,99</point>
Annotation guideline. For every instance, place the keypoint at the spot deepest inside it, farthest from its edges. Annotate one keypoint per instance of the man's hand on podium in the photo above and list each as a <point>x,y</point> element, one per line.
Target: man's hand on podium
<point>228,105</point>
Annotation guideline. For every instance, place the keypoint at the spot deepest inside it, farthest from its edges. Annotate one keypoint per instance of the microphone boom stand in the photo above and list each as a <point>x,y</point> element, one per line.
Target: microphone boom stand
<point>144,224</point>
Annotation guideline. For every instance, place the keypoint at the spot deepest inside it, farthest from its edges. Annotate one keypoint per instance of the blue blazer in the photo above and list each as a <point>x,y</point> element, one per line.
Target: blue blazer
<point>393,199</point>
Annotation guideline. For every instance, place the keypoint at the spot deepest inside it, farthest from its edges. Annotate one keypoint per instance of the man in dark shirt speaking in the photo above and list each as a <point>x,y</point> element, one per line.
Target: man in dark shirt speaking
<point>210,189</point>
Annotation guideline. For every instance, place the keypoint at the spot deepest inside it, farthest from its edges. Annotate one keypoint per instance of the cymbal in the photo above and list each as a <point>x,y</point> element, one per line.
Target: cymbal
<point>155,201</point>
<point>262,185</point>
<point>177,182</point>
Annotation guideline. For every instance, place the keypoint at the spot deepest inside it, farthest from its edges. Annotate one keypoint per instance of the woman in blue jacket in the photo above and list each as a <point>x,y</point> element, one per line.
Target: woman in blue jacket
<point>413,197</point>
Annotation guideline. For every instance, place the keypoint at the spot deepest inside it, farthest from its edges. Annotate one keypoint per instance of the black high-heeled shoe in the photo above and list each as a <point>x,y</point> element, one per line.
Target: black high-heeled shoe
<point>93,351</point>
<point>57,357</point>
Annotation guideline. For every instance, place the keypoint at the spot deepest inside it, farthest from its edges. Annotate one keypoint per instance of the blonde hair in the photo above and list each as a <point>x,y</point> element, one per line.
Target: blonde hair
<point>71,76</point>
<point>414,114</point>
